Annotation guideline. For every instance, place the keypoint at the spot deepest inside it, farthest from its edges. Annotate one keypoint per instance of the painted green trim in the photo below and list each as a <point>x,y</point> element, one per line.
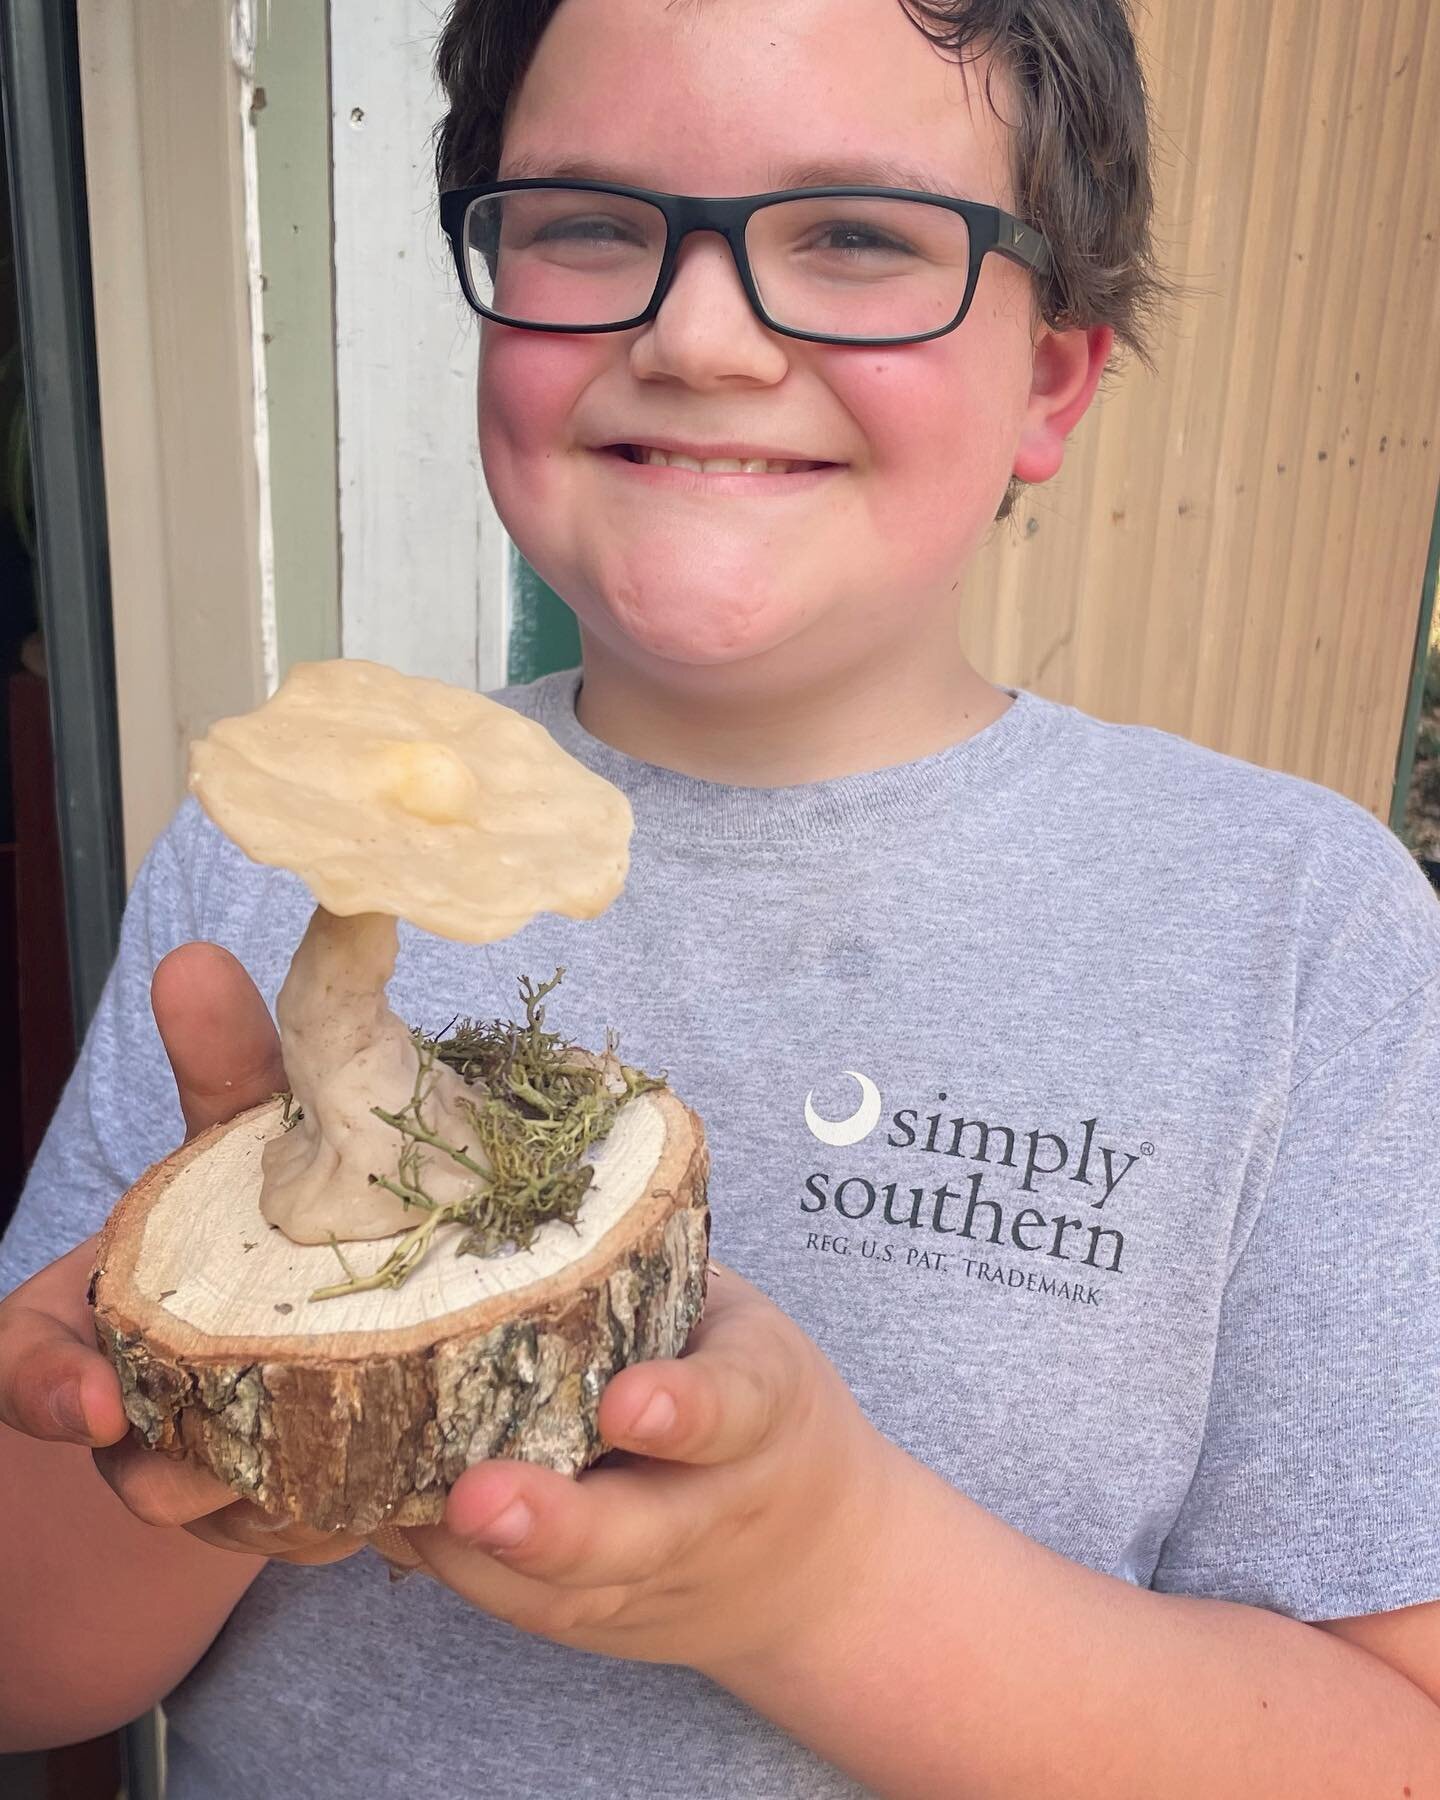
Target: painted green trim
<point>543,633</point>
<point>1405,764</point>
<point>292,148</point>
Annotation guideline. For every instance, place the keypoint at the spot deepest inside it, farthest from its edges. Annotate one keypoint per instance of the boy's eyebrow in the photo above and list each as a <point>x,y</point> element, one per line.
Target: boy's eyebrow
<point>860,171</point>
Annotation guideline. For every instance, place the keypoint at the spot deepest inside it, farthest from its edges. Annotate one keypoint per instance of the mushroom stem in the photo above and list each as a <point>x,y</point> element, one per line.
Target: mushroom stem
<point>347,1054</point>
<point>333,1001</point>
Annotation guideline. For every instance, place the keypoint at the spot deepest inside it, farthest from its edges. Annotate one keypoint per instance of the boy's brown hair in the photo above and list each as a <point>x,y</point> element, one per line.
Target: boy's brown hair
<point>1081,144</point>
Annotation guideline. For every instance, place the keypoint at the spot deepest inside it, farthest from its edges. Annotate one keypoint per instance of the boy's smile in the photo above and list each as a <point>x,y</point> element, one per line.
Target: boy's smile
<point>717,468</point>
<point>750,608</point>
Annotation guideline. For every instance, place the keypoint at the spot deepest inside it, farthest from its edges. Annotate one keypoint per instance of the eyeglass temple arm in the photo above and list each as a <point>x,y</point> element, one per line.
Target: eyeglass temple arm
<point>1023,245</point>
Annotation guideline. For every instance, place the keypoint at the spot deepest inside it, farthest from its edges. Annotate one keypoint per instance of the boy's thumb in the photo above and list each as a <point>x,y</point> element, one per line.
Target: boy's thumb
<point>218,1033</point>
<point>54,1383</point>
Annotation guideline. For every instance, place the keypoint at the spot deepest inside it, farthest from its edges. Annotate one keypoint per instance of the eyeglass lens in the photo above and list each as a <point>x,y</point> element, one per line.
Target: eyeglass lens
<point>851,266</point>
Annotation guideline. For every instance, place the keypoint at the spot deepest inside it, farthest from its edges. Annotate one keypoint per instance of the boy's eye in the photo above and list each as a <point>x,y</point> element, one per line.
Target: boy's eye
<point>870,239</point>
<point>593,230</point>
<point>856,239</point>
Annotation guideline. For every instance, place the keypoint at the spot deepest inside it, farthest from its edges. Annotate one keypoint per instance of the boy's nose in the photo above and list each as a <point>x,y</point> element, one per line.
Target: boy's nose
<point>706,334</point>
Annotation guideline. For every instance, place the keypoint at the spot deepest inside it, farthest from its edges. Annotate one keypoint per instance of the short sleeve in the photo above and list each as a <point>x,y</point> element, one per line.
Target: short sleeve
<point>1316,1487</point>
<point>119,1111</point>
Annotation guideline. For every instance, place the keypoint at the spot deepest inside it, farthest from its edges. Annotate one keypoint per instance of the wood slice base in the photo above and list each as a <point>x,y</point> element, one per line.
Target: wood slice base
<point>365,1409</point>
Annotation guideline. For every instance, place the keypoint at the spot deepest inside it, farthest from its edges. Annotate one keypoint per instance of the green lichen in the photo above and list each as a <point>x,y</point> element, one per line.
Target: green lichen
<point>535,1110</point>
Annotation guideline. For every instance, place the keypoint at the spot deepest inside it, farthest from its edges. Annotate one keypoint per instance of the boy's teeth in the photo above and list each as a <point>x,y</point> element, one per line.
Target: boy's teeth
<point>715,465</point>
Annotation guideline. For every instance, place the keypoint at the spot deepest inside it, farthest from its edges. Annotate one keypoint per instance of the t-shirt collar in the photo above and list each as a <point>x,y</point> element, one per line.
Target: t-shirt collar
<point>679,807</point>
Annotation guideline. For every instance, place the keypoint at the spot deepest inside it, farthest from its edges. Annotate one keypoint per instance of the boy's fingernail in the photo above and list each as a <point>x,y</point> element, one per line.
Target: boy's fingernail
<point>68,1411</point>
<point>657,1417</point>
<point>506,1529</point>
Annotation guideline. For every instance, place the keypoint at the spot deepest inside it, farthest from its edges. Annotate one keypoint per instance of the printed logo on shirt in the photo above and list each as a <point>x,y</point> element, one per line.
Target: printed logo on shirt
<point>1052,1199</point>
<point>861,1122</point>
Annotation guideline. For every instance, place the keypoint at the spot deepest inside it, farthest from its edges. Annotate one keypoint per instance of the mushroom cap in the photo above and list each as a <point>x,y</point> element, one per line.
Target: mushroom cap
<point>397,794</point>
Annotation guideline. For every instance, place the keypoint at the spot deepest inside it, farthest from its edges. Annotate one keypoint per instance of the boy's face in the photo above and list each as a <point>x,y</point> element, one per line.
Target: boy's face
<point>674,570</point>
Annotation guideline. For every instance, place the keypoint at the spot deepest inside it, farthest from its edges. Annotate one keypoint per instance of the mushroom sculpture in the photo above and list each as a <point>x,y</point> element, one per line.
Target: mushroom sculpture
<point>351,1388</point>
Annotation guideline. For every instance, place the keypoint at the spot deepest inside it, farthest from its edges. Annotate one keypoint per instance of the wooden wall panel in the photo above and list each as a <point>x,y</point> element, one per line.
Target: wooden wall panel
<point>424,560</point>
<point>1236,546</point>
<point>164,173</point>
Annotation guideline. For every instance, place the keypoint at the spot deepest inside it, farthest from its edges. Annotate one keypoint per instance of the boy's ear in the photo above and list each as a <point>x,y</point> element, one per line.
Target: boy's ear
<point>1067,370</point>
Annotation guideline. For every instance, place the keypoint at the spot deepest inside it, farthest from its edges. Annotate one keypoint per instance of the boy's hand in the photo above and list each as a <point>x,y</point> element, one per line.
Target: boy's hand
<point>54,1381</point>
<point>751,1505</point>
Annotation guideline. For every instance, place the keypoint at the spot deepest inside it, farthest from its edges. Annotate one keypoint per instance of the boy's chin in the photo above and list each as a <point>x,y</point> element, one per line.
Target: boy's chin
<point>701,620</point>
<point>698,631</point>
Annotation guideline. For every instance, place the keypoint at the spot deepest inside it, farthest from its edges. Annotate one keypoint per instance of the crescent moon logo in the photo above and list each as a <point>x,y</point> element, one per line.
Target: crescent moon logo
<point>860,1124</point>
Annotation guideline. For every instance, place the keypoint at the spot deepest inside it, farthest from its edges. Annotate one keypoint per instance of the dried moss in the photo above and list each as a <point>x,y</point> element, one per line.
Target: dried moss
<point>536,1102</point>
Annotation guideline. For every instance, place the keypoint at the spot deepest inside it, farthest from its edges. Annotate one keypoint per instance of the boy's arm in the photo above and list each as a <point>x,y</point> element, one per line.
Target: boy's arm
<point>972,1661</point>
<point>761,1531</point>
<point>114,1584</point>
<point>103,1614</point>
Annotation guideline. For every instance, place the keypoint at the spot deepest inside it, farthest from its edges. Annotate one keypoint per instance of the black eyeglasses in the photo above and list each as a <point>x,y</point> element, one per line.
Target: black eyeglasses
<point>834,265</point>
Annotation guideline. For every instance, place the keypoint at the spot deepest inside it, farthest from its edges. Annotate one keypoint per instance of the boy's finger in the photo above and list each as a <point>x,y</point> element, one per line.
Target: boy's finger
<point>243,1528</point>
<point>610,1528</point>
<point>218,1033</point>
<point>54,1387</point>
<point>723,1399</point>
<point>54,1383</point>
<point>486,1583</point>
<point>159,1489</point>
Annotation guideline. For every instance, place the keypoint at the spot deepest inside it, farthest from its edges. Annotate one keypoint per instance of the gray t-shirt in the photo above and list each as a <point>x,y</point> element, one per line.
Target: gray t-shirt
<point>1139,1249</point>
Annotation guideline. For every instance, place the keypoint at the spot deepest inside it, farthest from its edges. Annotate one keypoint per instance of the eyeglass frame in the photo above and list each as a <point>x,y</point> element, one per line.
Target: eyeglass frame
<point>989,229</point>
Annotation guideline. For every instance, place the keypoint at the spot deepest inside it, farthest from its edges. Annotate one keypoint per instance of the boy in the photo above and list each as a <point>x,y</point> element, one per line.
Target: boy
<point>1089,1365</point>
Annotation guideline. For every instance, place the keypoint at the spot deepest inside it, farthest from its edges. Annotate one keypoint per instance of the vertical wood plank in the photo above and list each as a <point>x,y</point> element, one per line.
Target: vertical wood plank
<point>1236,547</point>
<point>161,98</point>
<point>421,555</point>
<point>291,124</point>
